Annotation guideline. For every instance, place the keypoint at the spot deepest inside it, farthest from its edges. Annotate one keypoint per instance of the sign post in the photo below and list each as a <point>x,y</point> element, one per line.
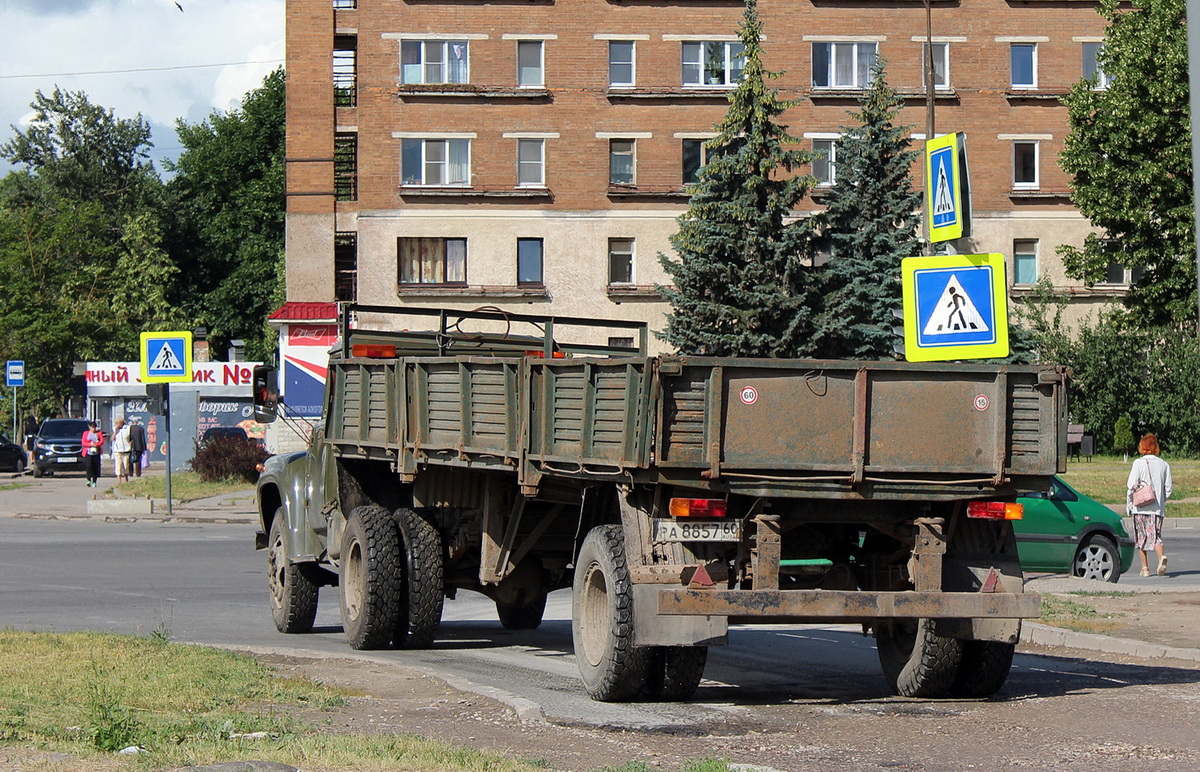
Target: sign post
<point>14,376</point>
<point>166,359</point>
<point>955,307</point>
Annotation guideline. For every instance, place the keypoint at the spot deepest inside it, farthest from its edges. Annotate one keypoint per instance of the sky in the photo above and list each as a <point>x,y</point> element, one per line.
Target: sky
<point>137,56</point>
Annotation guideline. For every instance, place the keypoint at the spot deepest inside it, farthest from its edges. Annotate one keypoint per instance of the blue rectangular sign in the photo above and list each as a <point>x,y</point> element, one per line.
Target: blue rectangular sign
<point>14,373</point>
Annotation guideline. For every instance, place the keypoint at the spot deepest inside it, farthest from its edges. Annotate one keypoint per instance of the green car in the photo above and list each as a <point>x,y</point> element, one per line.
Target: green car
<point>1065,532</point>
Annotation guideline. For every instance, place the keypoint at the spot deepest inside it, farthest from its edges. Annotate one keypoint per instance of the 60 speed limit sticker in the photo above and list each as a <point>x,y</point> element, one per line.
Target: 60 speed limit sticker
<point>749,395</point>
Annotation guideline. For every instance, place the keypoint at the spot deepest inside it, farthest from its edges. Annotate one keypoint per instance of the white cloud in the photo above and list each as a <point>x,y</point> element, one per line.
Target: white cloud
<point>148,52</point>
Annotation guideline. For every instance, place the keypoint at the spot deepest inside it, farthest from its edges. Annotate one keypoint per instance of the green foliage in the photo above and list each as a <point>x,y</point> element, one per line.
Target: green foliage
<point>1123,434</point>
<point>80,243</point>
<point>1129,152</point>
<point>870,223</point>
<point>111,726</point>
<point>228,458</point>
<point>228,232</point>
<point>740,288</point>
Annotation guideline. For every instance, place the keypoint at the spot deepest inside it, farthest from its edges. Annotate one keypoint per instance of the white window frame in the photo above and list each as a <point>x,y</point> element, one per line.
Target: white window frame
<point>632,64</point>
<point>1025,248</point>
<point>695,71</point>
<point>828,144</point>
<point>834,51</point>
<point>613,154</point>
<point>625,254</point>
<point>541,258</point>
<point>425,47</point>
<point>540,80</point>
<point>941,54</point>
<point>1091,50</point>
<point>1033,63</point>
<point>436,153</point>
<point>1035,183</point>
<point>526,164</point>
<point>446,262</point>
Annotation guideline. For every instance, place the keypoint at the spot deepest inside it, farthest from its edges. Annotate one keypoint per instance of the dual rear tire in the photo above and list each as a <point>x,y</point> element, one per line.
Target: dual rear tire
<point>918,662</point>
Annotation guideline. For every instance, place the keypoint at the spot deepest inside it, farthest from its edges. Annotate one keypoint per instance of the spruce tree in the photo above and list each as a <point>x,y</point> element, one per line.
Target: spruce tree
<point>740,288</point>
<point>869,224</point>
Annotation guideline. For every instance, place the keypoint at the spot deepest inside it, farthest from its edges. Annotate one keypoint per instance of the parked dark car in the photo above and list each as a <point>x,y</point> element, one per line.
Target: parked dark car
<point>12,456</point>
<point>223,432</point>
<point>59,446</point>
<point>1066,532</point>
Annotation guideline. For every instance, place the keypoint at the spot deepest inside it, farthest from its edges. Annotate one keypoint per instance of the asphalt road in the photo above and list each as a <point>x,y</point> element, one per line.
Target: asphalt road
<point>205,583</point>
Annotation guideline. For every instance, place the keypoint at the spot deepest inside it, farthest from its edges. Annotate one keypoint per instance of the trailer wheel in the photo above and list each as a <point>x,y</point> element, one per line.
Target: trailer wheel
<point>984,668</point>
<point>421,593</point>
<point>917,662</point>
<point>370,577</point>
<point>527,617</point>
<point>674,672</point>
<point>613,669</point>
<point>293,592</point>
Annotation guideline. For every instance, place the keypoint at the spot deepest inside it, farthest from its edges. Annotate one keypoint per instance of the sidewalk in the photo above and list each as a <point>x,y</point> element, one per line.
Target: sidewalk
<point>70,498</point>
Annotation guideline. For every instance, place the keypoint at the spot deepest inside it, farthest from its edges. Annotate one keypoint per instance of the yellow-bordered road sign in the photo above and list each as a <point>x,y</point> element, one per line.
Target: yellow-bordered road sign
<point>166,357</point>
<point>955,307</point>
<point>943,189</point>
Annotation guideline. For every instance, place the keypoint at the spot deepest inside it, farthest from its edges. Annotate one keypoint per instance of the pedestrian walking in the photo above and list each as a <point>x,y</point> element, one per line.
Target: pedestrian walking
<point>93,443</point>
<point>121,449</point>
<point>137,445</point>
<point>1147,491</point>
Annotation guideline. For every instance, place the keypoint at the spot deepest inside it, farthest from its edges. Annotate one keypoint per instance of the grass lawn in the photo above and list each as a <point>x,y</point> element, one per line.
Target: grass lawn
<point>185,486</point>
<point>1103,478</point>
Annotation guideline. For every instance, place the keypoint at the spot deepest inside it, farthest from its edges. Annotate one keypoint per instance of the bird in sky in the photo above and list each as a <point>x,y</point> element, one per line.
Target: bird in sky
<point>180,7</point>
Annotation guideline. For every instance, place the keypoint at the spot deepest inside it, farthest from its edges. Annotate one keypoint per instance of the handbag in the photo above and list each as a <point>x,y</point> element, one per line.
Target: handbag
<point>1143,494</point>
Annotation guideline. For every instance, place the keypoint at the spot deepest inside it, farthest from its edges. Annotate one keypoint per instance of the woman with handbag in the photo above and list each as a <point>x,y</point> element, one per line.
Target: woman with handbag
<point>1147,491</point>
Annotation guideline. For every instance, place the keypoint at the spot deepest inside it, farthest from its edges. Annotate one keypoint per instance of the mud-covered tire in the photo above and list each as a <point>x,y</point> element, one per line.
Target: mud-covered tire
<point>1097,558</point>
<point>369,577</point>
<point>422,591</point>
<point>612,668</point>
<point>527,617</point>
<point>674,672</point>
<point>293,592</point>
<point>916,661</point>
<point>984,668</point>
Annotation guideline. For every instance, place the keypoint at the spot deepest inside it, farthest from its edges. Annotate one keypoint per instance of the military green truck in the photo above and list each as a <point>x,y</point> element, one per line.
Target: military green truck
<point>675,495</point>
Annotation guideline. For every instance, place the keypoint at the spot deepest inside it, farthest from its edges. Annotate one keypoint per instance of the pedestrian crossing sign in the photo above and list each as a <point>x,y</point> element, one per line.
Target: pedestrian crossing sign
<point>166,357</point>
<point>944,189</point>
<point>955,307</point>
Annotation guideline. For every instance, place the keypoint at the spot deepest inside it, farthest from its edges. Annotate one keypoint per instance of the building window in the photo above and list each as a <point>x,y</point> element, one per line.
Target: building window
<point>434,61</point>
<point>345,5</point>
<point>824,164</point>
<point>1092,52</point>
<point>530,69</point>
<point>345,266</point>
<point>621,161</point>
<point>1118,273</point>
<point>345,166</point>
<point>531,163</point>
<point>941,64</point>
<point>696,155</point>
<point>529,262</point>
<point>432,260</point>
<point>713,63</point>
<point>1025,261</point>
<point>620,63</point>
<point>345,70</point>
<point>1025,165</point>
<point>436,162</point>
<point>621,342</point>
<point>1023,58</point>
<point>620,261</point>
<point>843,65</point>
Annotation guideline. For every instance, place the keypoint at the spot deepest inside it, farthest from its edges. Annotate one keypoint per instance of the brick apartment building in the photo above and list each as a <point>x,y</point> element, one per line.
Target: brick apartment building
<point>534,154</point>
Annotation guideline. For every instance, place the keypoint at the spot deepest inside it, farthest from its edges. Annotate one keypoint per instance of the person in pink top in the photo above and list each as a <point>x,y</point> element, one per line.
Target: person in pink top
<point>93,441</point>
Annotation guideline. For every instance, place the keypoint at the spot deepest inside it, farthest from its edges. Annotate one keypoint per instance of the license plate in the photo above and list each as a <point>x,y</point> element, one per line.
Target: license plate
<point>697,530</point>
<point>67,459</point>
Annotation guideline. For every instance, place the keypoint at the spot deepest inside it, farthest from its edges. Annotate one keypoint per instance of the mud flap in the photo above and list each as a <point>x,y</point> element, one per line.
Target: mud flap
<point>654,629</point>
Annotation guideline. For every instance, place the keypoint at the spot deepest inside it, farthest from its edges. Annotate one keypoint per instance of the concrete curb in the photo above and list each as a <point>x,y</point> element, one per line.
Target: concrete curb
<point>1046,635</point>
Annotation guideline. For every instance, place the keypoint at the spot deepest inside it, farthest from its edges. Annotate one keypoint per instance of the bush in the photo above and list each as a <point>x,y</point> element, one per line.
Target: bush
<point>228,458</point>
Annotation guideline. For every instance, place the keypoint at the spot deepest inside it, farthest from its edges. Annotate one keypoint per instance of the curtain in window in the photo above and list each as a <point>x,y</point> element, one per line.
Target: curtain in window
<point>459,170</point>
<point>456,260</point>
<point>458,62</point>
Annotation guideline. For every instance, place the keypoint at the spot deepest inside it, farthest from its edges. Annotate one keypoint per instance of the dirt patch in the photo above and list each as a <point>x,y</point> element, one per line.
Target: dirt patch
<point>1165,618</point>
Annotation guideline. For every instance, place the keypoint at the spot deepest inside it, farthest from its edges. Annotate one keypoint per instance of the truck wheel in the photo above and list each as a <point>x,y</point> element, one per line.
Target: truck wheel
<point>293,593</point>
<point>674,672</point>
<point>613,669</point>
<point>421,590</point>
<point>984,668</point>
<point>369,582</point>
<point>1097,558</point>
<point>526,617</point>
<point>917,662</point>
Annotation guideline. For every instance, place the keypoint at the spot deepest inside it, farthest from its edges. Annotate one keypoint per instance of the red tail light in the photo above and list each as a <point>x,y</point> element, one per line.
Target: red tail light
<point>373,351</point>
<point>995,510</point>
<point>699,508</point>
